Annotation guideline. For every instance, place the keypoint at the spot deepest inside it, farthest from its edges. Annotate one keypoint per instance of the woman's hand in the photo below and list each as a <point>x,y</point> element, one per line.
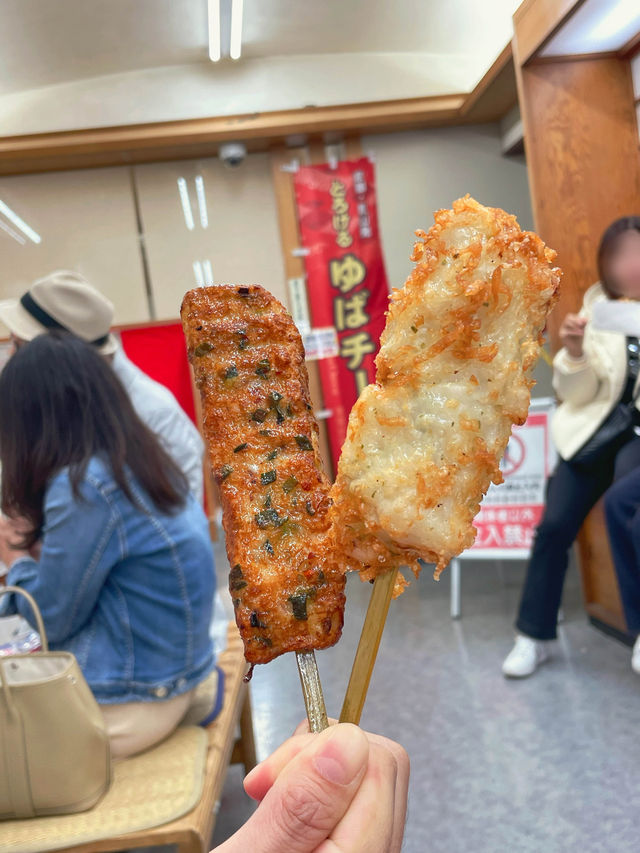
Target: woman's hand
<point>11,532</point>
<point>572,334</point>
<point>341,791</point>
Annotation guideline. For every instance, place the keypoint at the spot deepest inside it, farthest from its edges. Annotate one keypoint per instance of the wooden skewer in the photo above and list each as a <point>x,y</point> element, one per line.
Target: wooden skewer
<point>312,691</point>
<point>367,651</point>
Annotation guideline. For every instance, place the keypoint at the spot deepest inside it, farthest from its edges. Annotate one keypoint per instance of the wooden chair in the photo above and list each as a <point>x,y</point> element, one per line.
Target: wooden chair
<point>192,832</point>
<point>599,582</point>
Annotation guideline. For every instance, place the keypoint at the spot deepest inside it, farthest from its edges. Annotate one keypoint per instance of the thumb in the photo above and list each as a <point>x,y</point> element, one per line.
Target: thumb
<point>309,798</point>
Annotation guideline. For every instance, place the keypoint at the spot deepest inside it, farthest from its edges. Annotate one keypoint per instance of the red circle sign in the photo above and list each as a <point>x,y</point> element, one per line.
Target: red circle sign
<point>513,456</point>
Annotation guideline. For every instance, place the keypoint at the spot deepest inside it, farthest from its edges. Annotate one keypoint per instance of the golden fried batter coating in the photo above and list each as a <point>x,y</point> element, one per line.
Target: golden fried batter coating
<point>453,375</point>
<point>248,361</point>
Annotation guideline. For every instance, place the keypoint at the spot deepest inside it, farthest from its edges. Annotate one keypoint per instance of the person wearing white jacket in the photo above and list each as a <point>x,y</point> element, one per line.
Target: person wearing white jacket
<point>596,376</point>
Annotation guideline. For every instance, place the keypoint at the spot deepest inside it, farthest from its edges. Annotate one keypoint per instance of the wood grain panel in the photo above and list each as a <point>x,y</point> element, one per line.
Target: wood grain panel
<point>495,93</point>
<point>535,21</point>
<point>584,166</point>
<point>631,48</point>
<point>584,171</point>
<point>199,137</point>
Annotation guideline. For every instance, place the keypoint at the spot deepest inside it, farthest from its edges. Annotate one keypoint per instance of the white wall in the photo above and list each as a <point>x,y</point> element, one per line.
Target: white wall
<point>240,240</point>
<point>419,172</point>
<point>87,222</point>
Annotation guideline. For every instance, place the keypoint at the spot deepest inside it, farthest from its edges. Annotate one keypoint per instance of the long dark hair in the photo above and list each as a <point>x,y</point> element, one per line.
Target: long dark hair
<point>61,404</point>
<point>608,247</point>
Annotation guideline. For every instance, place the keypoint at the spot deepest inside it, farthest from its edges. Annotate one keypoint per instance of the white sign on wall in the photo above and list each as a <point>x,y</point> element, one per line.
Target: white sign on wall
<point>320,343</point>
<point>511,511</point>
<point>299,303</point>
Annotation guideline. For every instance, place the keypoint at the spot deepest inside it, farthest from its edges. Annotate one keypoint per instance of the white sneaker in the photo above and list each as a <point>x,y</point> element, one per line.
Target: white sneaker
<point>527,655</point>
<point>635,656</point>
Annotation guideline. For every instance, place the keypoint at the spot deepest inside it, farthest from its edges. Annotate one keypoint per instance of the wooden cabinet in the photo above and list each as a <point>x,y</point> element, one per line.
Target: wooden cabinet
<point>581,141</point>
<point>86,222</point>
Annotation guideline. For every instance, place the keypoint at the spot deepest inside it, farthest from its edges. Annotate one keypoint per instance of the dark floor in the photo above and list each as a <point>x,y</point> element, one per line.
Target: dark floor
<point>547,765</point>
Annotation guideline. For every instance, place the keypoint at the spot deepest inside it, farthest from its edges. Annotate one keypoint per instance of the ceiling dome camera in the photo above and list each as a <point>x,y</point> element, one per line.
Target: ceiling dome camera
<point>232,154</point>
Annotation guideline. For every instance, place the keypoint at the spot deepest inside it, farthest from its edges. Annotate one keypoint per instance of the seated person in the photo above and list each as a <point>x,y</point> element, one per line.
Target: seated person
<point>65,300</point>
<point>123,572</point>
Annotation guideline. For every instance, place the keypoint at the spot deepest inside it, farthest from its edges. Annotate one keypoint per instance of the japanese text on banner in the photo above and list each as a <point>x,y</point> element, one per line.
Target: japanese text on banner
<point>346,280</point>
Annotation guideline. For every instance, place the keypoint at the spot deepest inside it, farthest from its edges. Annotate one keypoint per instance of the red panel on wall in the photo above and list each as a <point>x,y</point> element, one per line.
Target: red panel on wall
<point>346,280</point>
<point>161,353</point>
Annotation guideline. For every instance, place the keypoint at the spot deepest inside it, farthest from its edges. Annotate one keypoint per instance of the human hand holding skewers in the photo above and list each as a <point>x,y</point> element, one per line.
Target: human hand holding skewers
<point>423,445</point>
<point>341,790</point>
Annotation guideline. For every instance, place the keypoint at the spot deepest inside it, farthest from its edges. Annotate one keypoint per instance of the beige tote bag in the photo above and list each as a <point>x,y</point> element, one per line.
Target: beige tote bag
<point>54,749</point>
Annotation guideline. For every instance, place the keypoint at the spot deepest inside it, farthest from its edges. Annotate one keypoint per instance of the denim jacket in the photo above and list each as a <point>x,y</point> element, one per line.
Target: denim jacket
<point>129,591</point>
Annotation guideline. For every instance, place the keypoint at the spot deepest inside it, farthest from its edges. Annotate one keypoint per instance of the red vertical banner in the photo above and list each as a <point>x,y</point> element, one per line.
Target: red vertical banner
<point>346,280</point>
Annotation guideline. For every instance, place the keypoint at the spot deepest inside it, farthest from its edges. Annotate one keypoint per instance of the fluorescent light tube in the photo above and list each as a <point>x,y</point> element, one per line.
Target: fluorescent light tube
<point>214,30</point>
<point>13,217</point>
<point>197,271</point>
<point>208,272</point>
<point>185,201</point>
<point>202,201</point>
<point>12,233</point>
<point>235,45</point>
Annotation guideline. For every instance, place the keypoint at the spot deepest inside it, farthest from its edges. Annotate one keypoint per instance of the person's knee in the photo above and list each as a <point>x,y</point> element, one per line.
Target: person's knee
<point>611,503</point>
<point>556,529</point>
<point>616,502</point>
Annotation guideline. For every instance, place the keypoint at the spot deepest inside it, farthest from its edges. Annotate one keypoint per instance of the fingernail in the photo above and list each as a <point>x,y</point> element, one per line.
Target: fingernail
<point>342,756</point>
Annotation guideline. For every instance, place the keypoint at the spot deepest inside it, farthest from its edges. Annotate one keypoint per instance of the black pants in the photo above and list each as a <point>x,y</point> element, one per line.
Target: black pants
<point>622,506</point>
<point>571,493</point>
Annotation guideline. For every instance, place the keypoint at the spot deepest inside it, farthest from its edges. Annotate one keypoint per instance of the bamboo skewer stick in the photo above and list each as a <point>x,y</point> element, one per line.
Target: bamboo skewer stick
<point>312,691</point>
<point>367,651</point>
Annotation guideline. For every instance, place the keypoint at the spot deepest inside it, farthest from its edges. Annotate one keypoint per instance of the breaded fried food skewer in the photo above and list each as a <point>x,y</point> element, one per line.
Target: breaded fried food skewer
<point>287,591</point>
<point>453,375</point>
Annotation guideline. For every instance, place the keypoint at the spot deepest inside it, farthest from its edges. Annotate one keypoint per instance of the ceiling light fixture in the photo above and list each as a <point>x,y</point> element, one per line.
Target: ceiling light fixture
<point>185,201</point>
<point>208,272</point>
<point>13,217</point>
<point>235,45</point>
<point>214,30</point>
<point>7,229</point>
<point>202,201</point>
<point>197,271</point>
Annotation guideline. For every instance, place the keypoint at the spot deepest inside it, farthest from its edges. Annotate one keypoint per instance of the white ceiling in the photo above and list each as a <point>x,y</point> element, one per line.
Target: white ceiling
<point>43,42</point>
<point>48,47</point>
<point>596,26</point>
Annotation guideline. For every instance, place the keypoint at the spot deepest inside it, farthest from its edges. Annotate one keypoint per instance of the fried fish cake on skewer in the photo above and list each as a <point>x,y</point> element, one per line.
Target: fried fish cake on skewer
<point>248,361</point>
<point>453,375</point>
